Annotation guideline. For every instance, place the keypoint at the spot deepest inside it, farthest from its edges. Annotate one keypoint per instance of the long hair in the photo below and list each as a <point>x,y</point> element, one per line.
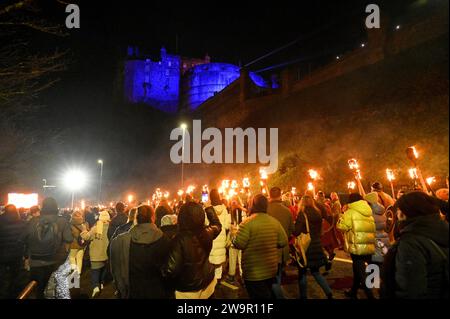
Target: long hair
<point>302,205</point>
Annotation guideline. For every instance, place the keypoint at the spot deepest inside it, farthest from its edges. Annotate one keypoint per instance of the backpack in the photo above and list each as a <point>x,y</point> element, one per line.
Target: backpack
<point>45,239</point>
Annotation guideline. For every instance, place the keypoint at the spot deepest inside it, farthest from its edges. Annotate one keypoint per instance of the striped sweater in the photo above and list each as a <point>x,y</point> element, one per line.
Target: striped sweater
<point>259,237</point>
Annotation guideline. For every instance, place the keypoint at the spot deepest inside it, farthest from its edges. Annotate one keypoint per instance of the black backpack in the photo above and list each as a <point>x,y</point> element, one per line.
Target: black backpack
<point>45,240</point>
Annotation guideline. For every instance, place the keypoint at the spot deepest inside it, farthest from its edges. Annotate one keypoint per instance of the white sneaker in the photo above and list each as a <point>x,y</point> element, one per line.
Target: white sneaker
<point>95,292</point>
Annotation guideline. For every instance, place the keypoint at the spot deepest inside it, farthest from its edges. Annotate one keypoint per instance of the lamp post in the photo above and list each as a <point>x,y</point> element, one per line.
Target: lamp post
<point>100,161</point>
<point>183,127</point>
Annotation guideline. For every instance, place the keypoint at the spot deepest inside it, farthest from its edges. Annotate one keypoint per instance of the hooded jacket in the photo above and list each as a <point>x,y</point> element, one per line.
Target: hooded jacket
<point>136,259</point>
<point>381,237</point>
<point>218,253</point>
<point>188,266</point>
<point>358,225</point>
<point>415,266</point>
<point>98,246</point>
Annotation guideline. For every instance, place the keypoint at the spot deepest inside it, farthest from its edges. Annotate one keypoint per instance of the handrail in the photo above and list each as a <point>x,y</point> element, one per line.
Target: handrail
<point>27,290</point>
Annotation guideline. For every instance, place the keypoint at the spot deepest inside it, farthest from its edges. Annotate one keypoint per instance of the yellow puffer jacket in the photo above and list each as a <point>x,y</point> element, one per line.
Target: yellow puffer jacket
<point>359,227</point>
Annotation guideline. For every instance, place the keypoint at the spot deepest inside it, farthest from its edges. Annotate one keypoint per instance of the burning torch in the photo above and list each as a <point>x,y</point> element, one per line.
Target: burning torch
<point>263,181</point>
<point>391,177</point>
<point>314,176</point>
<point>354,166</point>
<point>413,156</point>
<point>351,186</point>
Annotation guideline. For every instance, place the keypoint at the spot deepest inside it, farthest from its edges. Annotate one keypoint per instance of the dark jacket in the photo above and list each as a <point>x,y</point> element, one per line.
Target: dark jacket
<point>32,245</point>
<point>117,221</point>
<point>315,256</point>
<point>415,268</point>
<point>280,212</point>
<point>11,230</point>
<point>136,260</point>
<point>188,266</point>
<point>169,230</point>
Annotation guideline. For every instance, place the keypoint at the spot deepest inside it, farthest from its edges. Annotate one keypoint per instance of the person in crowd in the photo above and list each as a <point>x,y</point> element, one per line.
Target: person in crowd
<point>127,226</point>
<point>309,219</point>
<point>417,266</point>
<point>11,252</point>
<point>77,247</point>
<point>162,210</point>
<point>120,219</point>
<point>359,229</point>
<point>35,211</point>
<point>260,237</point>
<point>383,198</point>
<point>137,257</point>
<point>218,254</point>
<point>90,215</point>
<point>382,242</point>
<point>169,225</point>
<point>47,238</point>
<point>336,212</point>
<point>98,247</point>
<point>280,212</point>
<point>330,241</point>
<point>238,215</point>
<point>188,266</point>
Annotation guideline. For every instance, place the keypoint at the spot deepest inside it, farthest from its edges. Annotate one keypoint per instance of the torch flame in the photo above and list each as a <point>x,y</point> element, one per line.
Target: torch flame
<point>430,180</point>
<point>413,173</point>
<point>180,192</point>
<point>293,190</point>
<point>353,163</point>
<point>190,189</point>
<point>351,185</point>
<point>310,186</point>
<point>263,174</point>
<point>313,174</point>
<point>130,198</point>
<point>234,184</point>
<point>416,153</point>
<point>390,175</point>
<point>245,182</point>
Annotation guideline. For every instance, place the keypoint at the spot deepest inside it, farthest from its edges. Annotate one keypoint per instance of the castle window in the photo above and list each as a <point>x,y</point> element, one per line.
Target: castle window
<point>169,63</point>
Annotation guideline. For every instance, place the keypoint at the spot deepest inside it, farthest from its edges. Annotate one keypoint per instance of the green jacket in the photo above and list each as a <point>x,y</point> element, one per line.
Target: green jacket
<point>259,237</point>
<point>359,227</point>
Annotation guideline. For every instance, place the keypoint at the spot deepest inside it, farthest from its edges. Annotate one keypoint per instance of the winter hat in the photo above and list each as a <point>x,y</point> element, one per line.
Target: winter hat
<point>354,197</point>
<point>259,204</point>
<point>169,220</point>
<point>371,198</point>
<point>416,204</point>
<point>49,206</point>
<point>103,218</point>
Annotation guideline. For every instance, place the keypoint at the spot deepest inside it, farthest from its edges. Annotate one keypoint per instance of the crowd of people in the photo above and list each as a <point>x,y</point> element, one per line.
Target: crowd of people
<point>185,251</point>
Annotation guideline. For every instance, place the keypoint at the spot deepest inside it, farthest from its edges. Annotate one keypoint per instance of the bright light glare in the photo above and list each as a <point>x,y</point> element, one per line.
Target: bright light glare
<point>23,200</point>
<point>75,180</point>
<point>183,126</point>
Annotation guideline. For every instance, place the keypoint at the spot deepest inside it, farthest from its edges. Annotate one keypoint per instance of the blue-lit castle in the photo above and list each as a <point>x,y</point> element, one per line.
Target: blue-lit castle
<point>176,83</point>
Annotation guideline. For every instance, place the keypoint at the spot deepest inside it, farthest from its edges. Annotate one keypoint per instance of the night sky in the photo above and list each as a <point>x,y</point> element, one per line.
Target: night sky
<point>85,104</point>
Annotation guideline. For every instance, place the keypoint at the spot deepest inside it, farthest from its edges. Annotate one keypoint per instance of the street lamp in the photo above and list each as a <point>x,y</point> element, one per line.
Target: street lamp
<point>100,161</point>
<point>74,180</point>
<point>183,127</point>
